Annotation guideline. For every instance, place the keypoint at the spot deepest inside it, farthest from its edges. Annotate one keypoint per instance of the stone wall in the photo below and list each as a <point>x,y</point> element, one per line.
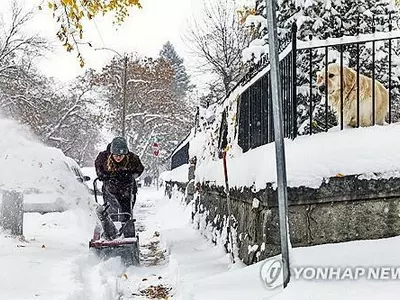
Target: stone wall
<point>170,185</point>
<point>342,209</point>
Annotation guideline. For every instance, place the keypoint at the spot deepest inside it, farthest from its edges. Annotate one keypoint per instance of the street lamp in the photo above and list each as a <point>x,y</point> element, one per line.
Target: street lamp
<point>125,58</point>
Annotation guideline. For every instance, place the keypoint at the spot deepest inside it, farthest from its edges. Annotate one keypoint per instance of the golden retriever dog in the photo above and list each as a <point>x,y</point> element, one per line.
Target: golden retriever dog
<point>350,96</point>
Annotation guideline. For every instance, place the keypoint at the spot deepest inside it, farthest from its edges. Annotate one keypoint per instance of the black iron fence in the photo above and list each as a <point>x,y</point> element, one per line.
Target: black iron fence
<point>255,107</point>
<point>307,104</point>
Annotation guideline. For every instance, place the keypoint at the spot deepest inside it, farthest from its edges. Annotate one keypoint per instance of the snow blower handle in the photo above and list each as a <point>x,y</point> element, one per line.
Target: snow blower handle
<point>95,189</point>
<point>95,184</point>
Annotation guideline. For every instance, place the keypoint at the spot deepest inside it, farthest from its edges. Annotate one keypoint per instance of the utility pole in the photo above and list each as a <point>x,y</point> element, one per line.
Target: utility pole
<point>124,83</point>
<point>196,120</point>
<point>124,95</point>
<point>279,138</point>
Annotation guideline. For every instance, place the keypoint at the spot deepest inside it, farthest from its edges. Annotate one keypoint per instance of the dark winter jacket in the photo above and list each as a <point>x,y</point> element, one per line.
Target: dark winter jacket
<point>124,175</point>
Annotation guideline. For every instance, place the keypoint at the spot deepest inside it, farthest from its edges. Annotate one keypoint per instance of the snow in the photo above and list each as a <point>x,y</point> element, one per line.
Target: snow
<point>54,262</point>
<point>32,168</point>
<point>362,38</point>
<point>265,70</point>
<point>256,20</point>
<point>312,159</point>
<point>245,283</point>
<point>256,50</point>
<point>256,203</point>
<point>179,174</point>
<point>196,145</point>
<point>43,266</point>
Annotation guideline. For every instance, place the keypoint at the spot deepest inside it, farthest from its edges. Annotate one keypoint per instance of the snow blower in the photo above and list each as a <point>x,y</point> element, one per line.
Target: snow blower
<point>108,241</point>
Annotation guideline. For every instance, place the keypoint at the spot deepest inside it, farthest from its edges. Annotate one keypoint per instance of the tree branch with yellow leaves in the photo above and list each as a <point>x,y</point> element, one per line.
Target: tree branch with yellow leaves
<point>69,14</point>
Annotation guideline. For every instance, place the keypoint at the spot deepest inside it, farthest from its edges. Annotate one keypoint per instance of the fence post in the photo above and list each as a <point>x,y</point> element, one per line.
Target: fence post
<point>12,212</point>
<point>294,79</point>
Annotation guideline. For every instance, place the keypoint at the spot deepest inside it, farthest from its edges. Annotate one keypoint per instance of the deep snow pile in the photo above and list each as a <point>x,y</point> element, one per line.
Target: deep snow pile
<point>29,166</point>
<point>46,263</point>
<point>54,262</point>
<point>179,174</point>
<point>245,283</point>
<point>312,159</point>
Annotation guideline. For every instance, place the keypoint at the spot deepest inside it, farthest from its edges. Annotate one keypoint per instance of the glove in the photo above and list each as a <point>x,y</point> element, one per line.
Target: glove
<point>104,177</point>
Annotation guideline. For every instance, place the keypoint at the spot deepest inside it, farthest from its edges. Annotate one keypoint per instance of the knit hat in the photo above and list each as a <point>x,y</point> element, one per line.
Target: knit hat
<point>119,146</point>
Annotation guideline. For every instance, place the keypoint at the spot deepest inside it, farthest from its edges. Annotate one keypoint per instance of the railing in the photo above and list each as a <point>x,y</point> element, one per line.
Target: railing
<point>255,107</point>
<point>306,110</point>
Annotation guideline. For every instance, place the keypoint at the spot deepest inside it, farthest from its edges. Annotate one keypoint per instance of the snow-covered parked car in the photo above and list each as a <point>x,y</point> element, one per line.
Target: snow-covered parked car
<point>74,167</point>
<point>39,172</point>
<point>91,171</point>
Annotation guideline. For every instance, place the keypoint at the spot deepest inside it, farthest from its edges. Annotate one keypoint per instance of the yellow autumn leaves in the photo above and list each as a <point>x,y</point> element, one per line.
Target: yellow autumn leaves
<point>70,14</point>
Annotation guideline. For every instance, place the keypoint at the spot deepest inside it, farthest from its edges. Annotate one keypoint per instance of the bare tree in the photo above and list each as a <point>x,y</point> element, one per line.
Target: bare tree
<point>16,46</point>
<point>60,115</point>
<point>21,95</point>
<point>217,39</point>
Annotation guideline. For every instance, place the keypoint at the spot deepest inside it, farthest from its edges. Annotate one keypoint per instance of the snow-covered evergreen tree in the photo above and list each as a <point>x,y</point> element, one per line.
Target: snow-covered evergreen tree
<point>181,78</point>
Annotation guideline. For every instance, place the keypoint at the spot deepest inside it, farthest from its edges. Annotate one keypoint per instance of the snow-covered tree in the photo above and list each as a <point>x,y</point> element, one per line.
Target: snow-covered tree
<point>213,93</point>
<point>72,121</point>
<point>153,110</point>
<point>60,116</point>
<point>181,84</point>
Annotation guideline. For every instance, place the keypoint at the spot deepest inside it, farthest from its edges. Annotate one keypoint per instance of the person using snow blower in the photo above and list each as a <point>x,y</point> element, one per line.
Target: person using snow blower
<point>118,168</point>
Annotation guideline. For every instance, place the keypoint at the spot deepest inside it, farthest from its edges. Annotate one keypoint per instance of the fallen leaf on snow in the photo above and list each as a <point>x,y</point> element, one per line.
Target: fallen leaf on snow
<point>156,292</point>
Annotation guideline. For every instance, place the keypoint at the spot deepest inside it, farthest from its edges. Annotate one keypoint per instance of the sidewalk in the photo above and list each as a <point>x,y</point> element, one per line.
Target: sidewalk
<point>174,255</point>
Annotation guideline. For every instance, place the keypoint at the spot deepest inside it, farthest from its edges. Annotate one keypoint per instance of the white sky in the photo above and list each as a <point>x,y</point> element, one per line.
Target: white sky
<point>145,31</point>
